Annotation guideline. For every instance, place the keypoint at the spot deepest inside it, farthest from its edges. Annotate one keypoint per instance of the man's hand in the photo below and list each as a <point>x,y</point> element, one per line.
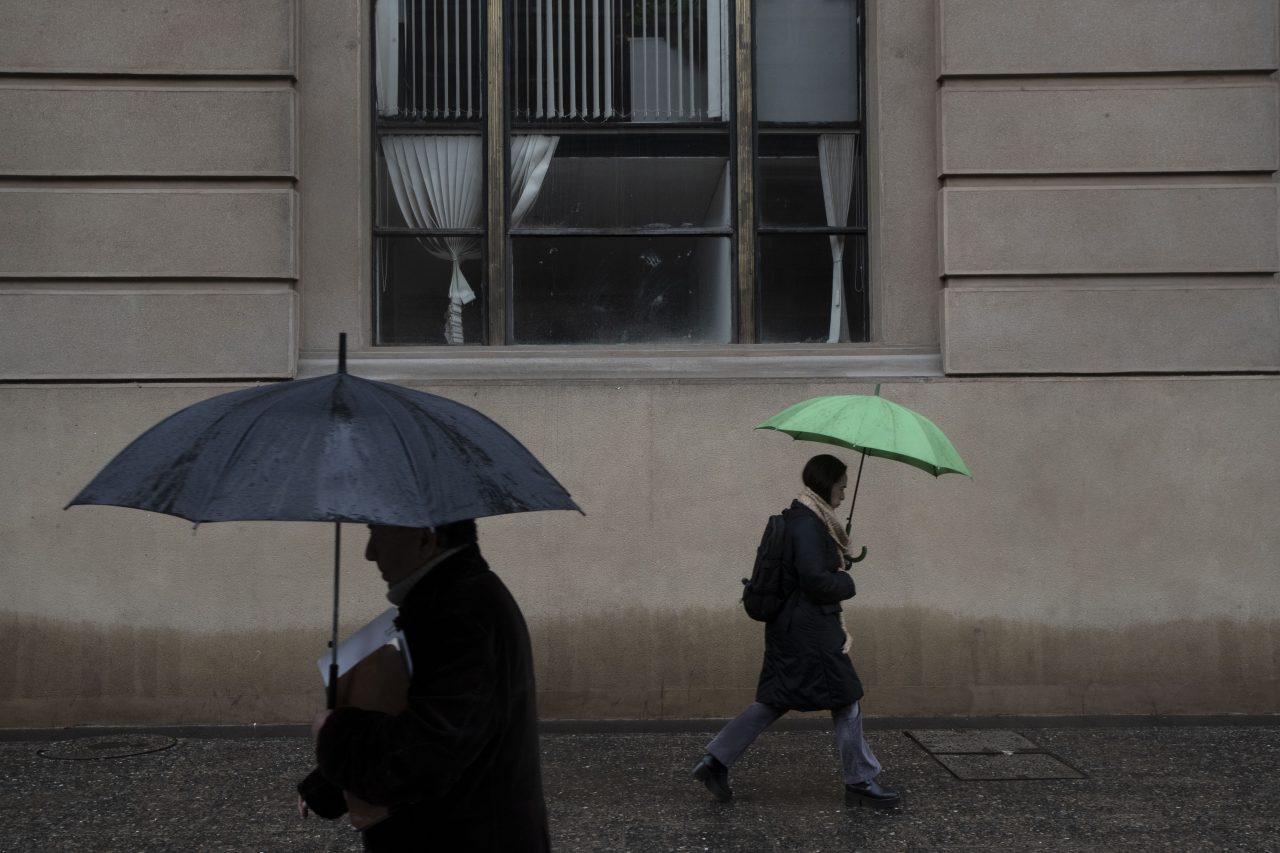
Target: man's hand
<point>303,811</point>
<point>361,814</point>
<point>317,722</point>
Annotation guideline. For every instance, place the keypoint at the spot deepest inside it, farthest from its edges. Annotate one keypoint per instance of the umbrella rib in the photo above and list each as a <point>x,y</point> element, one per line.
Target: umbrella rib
<point>244,435</point>
<point>404,444</point>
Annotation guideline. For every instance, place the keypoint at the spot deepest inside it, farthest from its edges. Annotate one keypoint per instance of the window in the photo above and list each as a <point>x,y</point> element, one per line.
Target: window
<point>429,212</point>
<point>621,162</point>
<point>810,173</point>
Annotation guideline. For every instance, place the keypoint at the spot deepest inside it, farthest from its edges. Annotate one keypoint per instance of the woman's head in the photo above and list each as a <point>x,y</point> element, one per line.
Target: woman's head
<point>827,476</point>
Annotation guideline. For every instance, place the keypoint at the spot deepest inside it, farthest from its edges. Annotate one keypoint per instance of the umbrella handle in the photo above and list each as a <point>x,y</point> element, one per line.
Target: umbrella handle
<point>850,560</point>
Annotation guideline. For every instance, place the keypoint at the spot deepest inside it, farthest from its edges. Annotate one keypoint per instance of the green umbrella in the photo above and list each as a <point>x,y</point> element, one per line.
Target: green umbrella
<point>876,427</point>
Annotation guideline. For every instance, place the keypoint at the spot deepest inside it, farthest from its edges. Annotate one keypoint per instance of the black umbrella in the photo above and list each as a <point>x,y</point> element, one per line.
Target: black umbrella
<point>335,448</point>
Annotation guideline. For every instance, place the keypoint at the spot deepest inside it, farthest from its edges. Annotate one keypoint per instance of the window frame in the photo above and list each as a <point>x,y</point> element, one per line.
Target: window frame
<point>858,127</point>
<point>744,230</point>
<point>380,127</point>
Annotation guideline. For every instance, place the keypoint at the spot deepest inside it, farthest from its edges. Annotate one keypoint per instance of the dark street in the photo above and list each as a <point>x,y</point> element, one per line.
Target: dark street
<point>1203,788</point>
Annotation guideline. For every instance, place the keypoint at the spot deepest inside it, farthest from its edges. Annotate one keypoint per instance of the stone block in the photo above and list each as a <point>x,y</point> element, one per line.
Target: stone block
<point>1100,327</point>
<point>195,37</point>
<point>1147,228</point>
<point>1175,128</point>
<point>993,37</point>
<point>97,130</point>
<point>147,233</point>
<point>141,331</point>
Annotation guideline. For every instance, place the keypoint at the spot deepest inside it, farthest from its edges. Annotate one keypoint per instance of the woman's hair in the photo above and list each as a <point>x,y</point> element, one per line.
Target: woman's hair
<point>821,473</point>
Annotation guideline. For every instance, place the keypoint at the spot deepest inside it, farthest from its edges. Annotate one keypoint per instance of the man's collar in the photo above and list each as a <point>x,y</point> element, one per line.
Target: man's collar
<point>398,593</point>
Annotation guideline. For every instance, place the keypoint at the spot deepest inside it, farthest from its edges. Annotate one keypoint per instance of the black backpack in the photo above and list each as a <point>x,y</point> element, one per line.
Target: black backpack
<point>762,593</point>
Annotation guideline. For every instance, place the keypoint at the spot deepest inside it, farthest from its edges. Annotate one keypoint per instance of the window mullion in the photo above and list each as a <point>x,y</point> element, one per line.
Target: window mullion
<point>496,173</point>
<point>745,167</point>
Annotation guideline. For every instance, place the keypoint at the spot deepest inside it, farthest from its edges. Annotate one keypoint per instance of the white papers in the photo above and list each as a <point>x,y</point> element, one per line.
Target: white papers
<point>378,633</point>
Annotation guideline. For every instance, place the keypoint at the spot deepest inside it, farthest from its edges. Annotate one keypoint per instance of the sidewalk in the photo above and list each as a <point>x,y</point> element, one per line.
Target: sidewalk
<point>1201,788</point>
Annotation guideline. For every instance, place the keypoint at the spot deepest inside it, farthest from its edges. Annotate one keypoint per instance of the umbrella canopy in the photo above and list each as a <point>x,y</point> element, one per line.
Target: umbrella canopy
<point>874,426</point>
<point>333,448</point>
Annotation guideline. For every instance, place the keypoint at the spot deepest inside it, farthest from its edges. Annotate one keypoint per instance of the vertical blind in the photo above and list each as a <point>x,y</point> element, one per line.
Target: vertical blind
<point>429,58</point>
<point>638,60</point>
<point>627,60</point>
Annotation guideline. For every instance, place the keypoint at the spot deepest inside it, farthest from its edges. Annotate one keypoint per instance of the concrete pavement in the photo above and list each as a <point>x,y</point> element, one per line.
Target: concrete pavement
<point>1202,788</point>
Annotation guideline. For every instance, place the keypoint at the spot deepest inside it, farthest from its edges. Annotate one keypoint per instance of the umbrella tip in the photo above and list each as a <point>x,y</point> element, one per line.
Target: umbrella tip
<point>342,352</point>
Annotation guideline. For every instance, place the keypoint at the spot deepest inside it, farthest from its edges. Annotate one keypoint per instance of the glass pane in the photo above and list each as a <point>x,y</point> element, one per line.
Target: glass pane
<point>386,207</point>
<point>621,290</point>
<point>796,303</point>
<point>792,190</point>
<point>415,278</point>
<point>620,60</point>
<point>429,55</point>
<point>806,60</point>
<point>429,181</point>
<point>616,182</point>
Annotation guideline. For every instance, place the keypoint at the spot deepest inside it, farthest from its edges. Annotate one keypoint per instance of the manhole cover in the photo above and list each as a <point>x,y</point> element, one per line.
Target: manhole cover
<point>108,746</point>
<point>1024,766</point>
<point>972,741</point>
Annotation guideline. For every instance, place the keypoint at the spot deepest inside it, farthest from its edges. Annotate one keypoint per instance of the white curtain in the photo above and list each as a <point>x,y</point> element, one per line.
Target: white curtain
<point>530,158</point>
<point>438,182</point>
<point>387,23</point>
<point>837,160</point>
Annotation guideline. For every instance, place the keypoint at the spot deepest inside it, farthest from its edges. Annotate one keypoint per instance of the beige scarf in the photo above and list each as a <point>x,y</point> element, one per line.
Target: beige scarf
<point>823,510</point>
<point>811,499</point>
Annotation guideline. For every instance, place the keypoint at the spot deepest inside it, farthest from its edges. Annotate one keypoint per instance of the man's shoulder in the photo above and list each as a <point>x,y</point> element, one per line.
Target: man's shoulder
<point>464,563</point>
<point>460,583</point>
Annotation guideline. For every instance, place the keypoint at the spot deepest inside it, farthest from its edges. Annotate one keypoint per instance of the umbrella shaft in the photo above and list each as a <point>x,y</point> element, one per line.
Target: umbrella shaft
<point>332,694</point>
<point>853,501</point>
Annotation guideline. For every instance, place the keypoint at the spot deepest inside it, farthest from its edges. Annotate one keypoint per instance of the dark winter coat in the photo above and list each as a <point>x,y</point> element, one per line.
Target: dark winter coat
<point>460,769</point>
<point>804,669</point>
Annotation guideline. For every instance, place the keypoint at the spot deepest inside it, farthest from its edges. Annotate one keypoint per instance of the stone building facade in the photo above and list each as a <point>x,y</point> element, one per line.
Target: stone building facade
<point>1071,266</point>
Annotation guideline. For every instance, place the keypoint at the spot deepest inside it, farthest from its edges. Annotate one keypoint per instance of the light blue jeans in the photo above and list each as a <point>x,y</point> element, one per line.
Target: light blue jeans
<point>857,762</point>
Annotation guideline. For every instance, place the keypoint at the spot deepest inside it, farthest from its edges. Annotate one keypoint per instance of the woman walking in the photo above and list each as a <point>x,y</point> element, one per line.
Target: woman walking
<point>806,662</point>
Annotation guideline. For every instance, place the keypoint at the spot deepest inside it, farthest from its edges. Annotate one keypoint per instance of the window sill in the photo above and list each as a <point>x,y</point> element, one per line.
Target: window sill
<point>444,365</point>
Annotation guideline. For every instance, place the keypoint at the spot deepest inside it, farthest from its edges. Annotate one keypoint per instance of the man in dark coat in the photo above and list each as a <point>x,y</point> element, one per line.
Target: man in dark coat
<point>459,770</point>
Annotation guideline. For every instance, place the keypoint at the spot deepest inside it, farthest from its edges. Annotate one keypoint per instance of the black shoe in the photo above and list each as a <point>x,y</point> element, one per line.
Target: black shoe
<point>710,772</point>
<point>871,794</point>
